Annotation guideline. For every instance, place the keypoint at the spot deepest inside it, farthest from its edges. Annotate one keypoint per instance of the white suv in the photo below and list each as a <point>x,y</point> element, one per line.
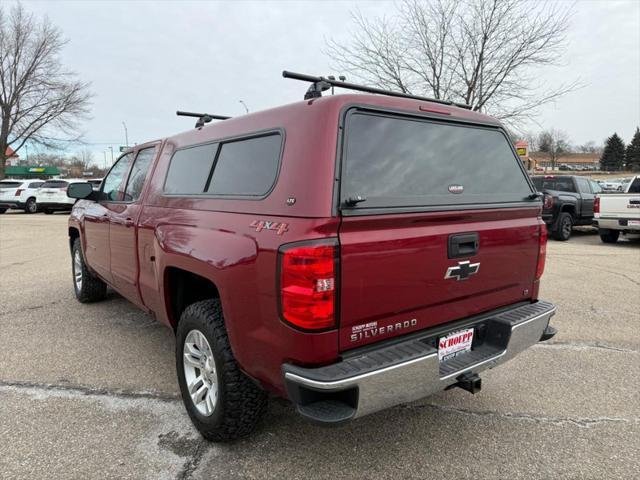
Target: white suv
<point>20,194</point>
<point>52,195</point>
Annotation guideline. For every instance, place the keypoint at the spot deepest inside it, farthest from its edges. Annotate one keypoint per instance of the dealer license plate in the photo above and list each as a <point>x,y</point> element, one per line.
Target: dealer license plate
<point>455,344</point>
<point>633,223</point>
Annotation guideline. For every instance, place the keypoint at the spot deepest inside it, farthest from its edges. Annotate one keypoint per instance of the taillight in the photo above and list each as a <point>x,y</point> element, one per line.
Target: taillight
<point>19,191</point>
<point>542,251</point>
<point>596,205</point>
<point>548,202</point>
<point>308,285</point>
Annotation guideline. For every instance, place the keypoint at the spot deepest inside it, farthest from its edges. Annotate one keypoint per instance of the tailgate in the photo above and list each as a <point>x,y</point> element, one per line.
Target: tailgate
<point>438,224</point>
<point>393,270</point>
<point>621,205</point>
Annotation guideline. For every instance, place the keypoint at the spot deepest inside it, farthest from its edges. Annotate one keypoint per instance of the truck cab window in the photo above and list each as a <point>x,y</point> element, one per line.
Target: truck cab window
<point>138,174</point>
<point>112,184</point>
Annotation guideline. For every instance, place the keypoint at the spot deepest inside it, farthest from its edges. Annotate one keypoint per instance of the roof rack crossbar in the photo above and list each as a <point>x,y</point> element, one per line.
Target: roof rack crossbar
<point>202,117</point>
<point>323,83</point>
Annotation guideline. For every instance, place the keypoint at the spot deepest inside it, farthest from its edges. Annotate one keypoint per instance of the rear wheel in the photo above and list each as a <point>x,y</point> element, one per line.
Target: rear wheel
<point>223,403</point>
<point>31,206</point>
<point>2,210</point>
<point>609,236</point>
<point>564,226</point>
<point>86,285</point>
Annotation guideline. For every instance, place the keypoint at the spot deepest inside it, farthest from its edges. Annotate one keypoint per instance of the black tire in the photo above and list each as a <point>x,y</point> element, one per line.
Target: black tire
<point>91,288</point>
<point>47,211</point>
<point>2,210</point>
<point>564,226</point>
<point>609,236</point>
<point>240,402</point>
<point>31,206</point>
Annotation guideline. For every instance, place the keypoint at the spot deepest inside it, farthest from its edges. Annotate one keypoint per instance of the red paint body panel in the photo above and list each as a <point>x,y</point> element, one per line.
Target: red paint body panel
<point>393,269</point>
<point>392,266</point>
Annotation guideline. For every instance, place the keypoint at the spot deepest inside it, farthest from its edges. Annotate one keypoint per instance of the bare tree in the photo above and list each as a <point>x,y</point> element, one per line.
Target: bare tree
<point>478,52</point>
<point>38,97</point>
<point>555,143</point>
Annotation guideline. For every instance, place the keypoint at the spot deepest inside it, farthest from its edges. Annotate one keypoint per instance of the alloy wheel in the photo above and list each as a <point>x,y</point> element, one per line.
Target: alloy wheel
<point>200,372</point>
<point>77,270</point>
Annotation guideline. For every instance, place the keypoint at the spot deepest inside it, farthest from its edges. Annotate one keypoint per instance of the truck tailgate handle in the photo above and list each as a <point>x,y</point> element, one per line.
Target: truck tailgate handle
<point>463,245</point>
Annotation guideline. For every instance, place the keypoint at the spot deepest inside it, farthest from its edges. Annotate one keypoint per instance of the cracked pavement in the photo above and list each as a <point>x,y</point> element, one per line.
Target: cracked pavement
<point>89,391</point>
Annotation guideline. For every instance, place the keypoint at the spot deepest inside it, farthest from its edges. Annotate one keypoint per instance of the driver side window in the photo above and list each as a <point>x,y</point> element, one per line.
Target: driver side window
<point>112,183</point>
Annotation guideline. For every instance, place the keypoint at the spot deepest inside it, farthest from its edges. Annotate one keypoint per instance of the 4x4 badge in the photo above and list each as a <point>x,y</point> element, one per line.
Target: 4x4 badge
<point>462,271</point>
<point>278,227</point>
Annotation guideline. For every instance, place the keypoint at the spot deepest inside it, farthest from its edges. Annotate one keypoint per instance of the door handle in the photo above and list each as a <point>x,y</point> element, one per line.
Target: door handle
<point>463,245</point>
<point>128,222</point>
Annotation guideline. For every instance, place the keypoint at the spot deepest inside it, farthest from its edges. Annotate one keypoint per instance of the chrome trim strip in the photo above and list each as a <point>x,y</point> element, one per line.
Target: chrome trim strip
<point>351,380</point>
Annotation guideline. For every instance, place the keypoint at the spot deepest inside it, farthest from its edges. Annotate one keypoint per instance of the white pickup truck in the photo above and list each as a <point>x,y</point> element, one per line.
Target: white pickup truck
<point>618,212</point>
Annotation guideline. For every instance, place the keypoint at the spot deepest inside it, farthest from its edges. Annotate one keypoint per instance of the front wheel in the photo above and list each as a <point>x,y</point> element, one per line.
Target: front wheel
<point>31,206</point>
<point>47,211</point>
<point>609,236</point>
<point>222,402</point>
<point>564,226</point>
<point>2,210</point>
<point>87,287</point>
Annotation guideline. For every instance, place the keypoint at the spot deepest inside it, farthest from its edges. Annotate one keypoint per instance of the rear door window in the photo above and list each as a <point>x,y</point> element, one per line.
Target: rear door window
<point>35,184</point>
<point>246,167</point>
<point>402,162</point>
<point>583,185</point>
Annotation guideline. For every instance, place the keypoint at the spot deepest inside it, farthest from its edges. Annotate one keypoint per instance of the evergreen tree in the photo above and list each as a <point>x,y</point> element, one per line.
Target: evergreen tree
<point>632,155</point>
<point>613,156</point>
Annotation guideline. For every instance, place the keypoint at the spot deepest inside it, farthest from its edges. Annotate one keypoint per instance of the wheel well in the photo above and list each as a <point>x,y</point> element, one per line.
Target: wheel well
<point>569,209</point>
<point>184,288</point>
<point>73,234</point>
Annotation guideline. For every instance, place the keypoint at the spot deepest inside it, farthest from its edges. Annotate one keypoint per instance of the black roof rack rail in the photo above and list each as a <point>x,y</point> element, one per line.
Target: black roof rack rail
<point>320,84</point>
<point>202,117</point>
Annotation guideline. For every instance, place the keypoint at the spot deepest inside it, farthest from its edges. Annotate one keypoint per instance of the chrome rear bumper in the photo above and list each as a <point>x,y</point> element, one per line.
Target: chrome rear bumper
<point>410,370</point>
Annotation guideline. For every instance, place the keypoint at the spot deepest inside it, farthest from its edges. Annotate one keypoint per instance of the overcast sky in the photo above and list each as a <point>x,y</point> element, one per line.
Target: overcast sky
<point>145,60</point>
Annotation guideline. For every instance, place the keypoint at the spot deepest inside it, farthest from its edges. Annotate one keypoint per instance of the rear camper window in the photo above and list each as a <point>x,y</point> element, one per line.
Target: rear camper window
<point>245,167</point>
<point>189,170</point>
<point>401,162</point>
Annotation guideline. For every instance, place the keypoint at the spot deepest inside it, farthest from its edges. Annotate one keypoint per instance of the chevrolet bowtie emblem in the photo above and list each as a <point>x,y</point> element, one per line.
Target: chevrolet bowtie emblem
<point>462,271</point>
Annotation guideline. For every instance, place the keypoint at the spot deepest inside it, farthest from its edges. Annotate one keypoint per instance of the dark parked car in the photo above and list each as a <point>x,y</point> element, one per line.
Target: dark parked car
<point>568,202</point>
<point>349,253</point>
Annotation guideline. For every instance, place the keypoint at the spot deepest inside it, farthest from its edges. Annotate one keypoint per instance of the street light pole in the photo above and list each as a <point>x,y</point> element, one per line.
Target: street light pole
<point>245,106</point>
<point>126,134</point>
<point>111,148</point>
<point>105,158</point>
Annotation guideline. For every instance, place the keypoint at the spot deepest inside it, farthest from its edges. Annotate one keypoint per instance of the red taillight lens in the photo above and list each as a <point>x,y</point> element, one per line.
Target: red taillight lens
<point>542,251</point>
<point>19,191</point>
<point>308,285</point>
<point>596,205</point>
<point>548,202</point>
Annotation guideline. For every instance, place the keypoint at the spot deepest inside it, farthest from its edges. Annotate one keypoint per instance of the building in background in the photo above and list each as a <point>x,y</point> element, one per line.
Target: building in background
<point>585,161</point>
<point>12,157</point>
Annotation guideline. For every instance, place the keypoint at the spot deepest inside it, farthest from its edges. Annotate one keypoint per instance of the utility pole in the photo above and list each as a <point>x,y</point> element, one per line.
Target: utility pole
<point>126,134</point>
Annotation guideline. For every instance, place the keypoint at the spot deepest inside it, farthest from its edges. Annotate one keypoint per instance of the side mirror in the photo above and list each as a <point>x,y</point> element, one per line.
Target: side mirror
<point>79,190</point>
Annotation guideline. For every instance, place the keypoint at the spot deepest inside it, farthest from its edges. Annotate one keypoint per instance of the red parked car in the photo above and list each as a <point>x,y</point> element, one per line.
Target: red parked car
<point>348,252</point>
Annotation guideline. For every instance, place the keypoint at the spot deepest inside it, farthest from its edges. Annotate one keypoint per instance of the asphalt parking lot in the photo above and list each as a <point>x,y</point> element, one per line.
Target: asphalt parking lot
<point>90,391</point>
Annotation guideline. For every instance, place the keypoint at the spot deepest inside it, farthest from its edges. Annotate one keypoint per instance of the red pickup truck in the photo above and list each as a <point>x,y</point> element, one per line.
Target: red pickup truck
<point>348,252</point>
